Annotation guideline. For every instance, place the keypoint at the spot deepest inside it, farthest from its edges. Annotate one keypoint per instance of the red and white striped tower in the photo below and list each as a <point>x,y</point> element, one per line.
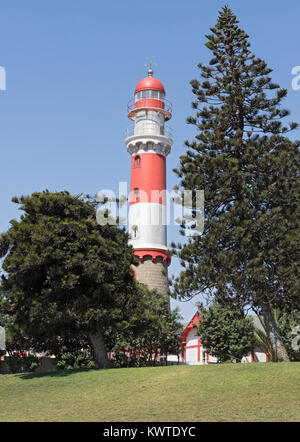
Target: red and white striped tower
<point>149,142</point>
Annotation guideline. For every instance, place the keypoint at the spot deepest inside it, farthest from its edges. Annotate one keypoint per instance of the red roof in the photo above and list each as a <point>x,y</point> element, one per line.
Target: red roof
<point>193,323</point>
<point>149,83</point>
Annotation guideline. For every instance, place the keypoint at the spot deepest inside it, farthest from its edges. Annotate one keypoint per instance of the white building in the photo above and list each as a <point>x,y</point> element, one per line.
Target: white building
<point>193,352</point>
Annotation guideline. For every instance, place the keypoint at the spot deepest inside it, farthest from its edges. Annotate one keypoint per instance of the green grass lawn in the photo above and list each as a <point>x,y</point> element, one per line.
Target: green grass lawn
<point>230,392</point>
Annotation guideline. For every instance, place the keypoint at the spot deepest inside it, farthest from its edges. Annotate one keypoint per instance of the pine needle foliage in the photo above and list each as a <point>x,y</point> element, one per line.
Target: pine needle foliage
<point>249,170</point>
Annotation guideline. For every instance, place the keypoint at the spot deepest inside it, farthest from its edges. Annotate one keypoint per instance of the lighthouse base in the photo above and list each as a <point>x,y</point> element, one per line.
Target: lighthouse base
<point>153,274</point>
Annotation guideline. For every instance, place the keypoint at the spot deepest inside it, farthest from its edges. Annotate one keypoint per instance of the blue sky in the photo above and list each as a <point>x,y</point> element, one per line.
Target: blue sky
<point>72,66</point>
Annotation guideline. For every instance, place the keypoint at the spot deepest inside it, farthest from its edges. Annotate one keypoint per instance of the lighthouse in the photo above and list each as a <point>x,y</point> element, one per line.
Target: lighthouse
<point>149,141</point>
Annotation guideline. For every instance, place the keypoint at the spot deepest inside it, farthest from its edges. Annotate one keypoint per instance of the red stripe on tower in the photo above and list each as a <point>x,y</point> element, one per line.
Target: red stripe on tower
<point>148,178</point>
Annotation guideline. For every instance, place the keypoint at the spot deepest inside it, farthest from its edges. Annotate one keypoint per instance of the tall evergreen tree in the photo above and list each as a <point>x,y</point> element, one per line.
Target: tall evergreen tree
<point>249,170</point>
<point>287,320</point>
<point>64,274</point>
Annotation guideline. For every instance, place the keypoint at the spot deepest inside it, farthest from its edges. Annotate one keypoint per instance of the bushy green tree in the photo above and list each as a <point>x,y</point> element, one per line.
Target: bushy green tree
<point>152,329</point>
<point>18,347</point>
<point>226,332</point>
<point>64,275</point>
<point>249,171</point>
<point>72,356</point>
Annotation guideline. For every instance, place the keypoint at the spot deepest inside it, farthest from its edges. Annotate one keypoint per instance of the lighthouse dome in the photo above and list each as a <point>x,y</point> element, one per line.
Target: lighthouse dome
<point>149,83</point>
<point>150,95</point>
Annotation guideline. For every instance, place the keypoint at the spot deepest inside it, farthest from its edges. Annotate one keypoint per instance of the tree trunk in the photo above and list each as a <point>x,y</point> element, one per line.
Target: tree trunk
<point>100,353</point>
<point>274,335</point>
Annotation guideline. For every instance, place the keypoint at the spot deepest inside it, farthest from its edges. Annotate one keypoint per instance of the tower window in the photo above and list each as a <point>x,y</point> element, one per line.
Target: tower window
<point>137,161</point>
<point>154,94</point>
<point>135,231</point>
<point>136,194</point>
<point>157,95</point>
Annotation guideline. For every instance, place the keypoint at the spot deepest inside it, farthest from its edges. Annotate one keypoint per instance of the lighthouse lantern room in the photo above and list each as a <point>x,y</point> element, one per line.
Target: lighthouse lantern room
<point>149,142</point>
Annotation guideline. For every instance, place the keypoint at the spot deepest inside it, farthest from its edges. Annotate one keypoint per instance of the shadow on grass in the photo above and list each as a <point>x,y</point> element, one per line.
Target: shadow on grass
<point>64,373</point>
<point>54,374</point>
